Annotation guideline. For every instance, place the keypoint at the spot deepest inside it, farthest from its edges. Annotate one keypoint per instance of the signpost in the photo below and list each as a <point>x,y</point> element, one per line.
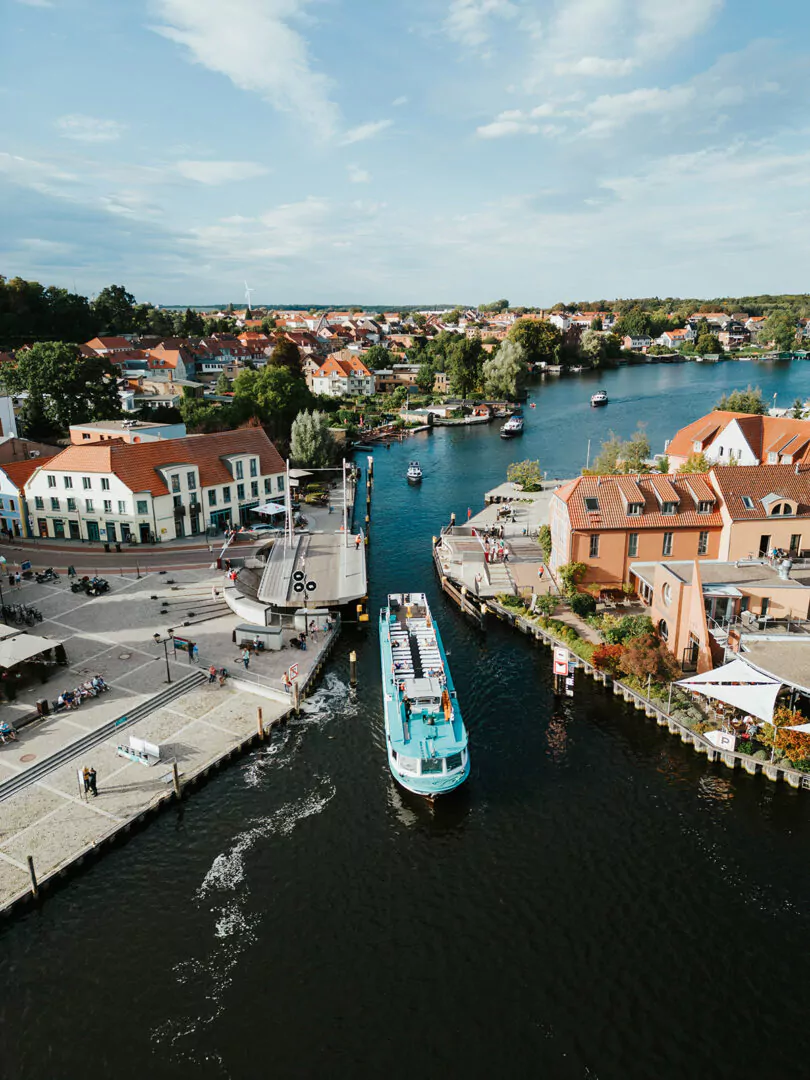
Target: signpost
<point>293,672</point>
<point>561,685</point>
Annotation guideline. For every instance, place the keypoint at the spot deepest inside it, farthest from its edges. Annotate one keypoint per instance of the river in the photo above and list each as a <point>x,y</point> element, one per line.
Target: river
<point>598,902</point>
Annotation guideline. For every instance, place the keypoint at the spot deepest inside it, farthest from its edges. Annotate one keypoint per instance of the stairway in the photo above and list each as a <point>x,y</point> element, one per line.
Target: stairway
<point>100,735</point>
<point>500,578</point>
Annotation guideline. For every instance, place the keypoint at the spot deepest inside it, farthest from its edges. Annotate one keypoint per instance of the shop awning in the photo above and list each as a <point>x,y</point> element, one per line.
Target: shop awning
<point>739,685</point>
<point>269,508</point>
<point>23,647</point>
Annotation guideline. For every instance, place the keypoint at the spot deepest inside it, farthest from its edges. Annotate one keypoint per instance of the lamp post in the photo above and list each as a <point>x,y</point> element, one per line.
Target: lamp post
<point>165,643</point>
<point>2,600</point>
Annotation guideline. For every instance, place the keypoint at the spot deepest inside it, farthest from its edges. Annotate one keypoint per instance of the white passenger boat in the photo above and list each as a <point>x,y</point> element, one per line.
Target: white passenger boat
<point>414,473</point>
<point>599,398</point>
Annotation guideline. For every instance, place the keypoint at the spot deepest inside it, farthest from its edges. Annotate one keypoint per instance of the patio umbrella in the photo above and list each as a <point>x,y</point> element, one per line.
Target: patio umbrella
<point>269,508</point>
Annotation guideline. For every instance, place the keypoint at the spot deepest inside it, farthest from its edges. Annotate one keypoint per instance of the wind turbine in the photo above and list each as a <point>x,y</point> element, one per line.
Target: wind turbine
<point>248,291</point>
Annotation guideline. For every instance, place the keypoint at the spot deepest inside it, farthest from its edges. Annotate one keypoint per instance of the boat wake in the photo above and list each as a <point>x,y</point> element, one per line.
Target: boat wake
<point>235,926</point>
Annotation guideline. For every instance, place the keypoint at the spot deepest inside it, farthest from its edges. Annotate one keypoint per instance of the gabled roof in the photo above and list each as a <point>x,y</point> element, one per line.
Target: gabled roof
<point>100,343</point>
<point>19,472</point>
<point>137,464</point>
<point>759,482</point>
<point>704,431</point>
<point>612,514</point>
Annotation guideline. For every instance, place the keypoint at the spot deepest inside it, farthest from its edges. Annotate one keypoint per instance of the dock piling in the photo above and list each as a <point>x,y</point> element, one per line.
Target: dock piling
<point>33,873</point>
<point>259,723</point>
<point>296,696</point>
<point>353,668</point>
<point>176,779</point>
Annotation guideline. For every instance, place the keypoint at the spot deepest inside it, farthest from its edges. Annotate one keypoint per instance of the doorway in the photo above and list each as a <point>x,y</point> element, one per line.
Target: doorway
<point>92,530</point>
<point>59,529</point>
<point>42,525</point>
<point>143,532</point>
<point>75,531</point>
<point>126,535</point>
<point>111,533</point>
<point>764,545</point>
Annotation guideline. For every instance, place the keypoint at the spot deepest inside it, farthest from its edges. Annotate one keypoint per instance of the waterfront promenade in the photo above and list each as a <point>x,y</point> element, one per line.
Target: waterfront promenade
<point>195,723</point>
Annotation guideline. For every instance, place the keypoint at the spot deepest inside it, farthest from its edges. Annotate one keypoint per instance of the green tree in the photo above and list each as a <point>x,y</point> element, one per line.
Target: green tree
<point>798,409</point>
<point>202,417</point>
<point>636,451</point>
<point>495,307</point>
<point>663,464</point>
<point>223,384</point>
<point>708,344</point>
<point>596,323</point>
<point>505,370</point>
<point>743,401</point>
<point>269,324</point>
<point>312,444</point>
<point>538,337</point>
<point>451,317</point>
<point>64,387</point>
<point>527,474</point>
<point>779,328</point>
<point>425,377</point>
<point>696,463</point>
<point>274,396</point>
<point>114,309</point>
<point>606,461</point>
<point>287,355</point>
<point>592,347</point>
<point>377,357</point>
<point>464,360</point>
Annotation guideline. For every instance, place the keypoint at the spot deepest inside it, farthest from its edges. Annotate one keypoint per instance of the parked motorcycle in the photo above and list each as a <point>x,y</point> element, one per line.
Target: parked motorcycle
<point>47,575</point>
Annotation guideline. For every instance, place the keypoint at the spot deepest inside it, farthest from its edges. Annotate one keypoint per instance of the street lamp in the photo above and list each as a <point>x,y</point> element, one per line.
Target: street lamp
<point>165,643</point>
<point>303,584</point>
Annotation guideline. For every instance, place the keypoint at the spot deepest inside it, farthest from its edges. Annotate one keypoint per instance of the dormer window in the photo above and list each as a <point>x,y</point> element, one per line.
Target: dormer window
<point>783,509</point>
<point>669,508</point>
<point>696,446</point>
<point>748,502</point>
<point>705,506</point>
<point>591,504</point>
<point>634,509</point>
<point>773,458</point>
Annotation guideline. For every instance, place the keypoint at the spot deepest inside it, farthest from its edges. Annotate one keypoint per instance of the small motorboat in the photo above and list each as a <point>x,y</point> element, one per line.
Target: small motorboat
<point>512,427</point>
<point>599,398</point>
<point>414,473</point>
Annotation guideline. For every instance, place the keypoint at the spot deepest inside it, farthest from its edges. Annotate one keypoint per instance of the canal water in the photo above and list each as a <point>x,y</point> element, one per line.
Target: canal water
<point>598,902</point>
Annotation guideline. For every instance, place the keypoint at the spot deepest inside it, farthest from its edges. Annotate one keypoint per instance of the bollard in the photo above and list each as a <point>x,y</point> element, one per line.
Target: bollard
<point>370,465</point>
<point>176,779</point>
<point>353,668</point>
<point>32,872</point>
<point>296,697</point>
<point>259,724</point>
<point>453,518</point>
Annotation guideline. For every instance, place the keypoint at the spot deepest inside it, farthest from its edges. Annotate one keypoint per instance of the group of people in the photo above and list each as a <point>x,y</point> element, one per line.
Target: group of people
<point>72,699</point>
<point>89,777</point>
<point>216,674</point>
<point>497,551</point>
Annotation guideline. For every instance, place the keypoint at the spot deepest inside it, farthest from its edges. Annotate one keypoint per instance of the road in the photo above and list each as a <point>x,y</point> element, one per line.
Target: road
<point>93,558</point>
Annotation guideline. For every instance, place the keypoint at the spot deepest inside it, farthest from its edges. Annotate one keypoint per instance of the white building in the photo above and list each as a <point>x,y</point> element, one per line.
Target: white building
<point>114,491</point>
<point>343,375</point>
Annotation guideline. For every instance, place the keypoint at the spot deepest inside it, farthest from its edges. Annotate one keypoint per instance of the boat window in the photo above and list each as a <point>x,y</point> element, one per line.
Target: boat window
<point>431,765</point>
<point>408,764</point>
<point>453,761</point>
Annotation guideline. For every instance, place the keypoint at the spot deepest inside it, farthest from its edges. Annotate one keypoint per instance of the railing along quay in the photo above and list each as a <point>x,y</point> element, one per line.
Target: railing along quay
<point>732,759</point>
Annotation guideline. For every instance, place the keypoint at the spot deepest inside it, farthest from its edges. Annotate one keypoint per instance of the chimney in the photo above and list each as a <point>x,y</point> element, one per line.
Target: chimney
<point>783,569</point>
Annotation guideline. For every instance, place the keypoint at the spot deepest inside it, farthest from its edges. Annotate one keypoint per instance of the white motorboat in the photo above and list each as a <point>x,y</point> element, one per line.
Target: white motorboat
<point>599,398</point>
<point>414,473</point>
<point>512,427</point>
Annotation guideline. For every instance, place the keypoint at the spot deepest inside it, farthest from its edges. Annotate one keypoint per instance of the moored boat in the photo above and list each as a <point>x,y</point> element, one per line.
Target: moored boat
<point>512,427</point>
<point>425,735</point>
<point>414,473</point>
<point>599,398</point>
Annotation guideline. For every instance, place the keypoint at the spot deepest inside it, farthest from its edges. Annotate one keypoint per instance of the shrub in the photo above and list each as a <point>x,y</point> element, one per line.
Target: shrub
<point>510,601</point>
<point>527,474</point>
<point>607,657</point>
<point>646,656</point>
<point>546,604</point>
<point>544,540</point>
<point>620,628</point>
<point>582,604</point>
<point>570,575</point>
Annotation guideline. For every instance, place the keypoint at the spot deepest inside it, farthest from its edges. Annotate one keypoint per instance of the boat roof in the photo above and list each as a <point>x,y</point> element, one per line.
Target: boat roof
<point>422,688</point>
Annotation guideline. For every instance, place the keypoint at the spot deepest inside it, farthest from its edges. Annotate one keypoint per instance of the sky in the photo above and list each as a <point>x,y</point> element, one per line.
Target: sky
<point>407,152</point>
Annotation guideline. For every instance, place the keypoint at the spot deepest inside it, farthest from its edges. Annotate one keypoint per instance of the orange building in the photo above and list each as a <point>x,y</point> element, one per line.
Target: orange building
<point>608,522</point>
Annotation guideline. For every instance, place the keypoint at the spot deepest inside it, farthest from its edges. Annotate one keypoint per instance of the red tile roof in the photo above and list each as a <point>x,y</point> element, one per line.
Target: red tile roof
<point>613,515</point>
<point>100,343</point>
<point>137,464</point>
<point>758,482</point>
<point>703,431</point>
<point>19,472</point>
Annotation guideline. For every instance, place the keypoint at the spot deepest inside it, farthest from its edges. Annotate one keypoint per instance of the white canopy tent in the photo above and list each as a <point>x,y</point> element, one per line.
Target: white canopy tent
<point>804,728</point>
<point>14,650</point>
<point>270,508</point>
<point>739,685</point>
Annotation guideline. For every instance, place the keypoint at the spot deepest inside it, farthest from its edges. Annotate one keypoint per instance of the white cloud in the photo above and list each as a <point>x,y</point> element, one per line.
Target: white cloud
<point>401,100</point>
<point>596,66</point>
<point>610,111</point>
<point>44,247</point>
<point>89,129</point>
<point>220,172</point>
<point>365,131</point>
<point>511,122</point>
<point>36,3</point>
<point>252,43</point>
<point>468,21</point>
<point>358,175</point>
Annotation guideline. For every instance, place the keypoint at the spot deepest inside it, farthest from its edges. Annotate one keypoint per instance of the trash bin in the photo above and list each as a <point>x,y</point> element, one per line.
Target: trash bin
<point>107,548</point>
<point>43,708</point>
<point>118,547</point>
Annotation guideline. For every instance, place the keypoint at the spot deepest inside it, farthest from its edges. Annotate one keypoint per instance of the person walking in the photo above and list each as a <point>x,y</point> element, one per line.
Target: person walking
<point>92,780</point>
<point>212,674</point>
<point>246,658</point>
<point>86,778</point>
<point>18,579</point>
<point>285,678</point>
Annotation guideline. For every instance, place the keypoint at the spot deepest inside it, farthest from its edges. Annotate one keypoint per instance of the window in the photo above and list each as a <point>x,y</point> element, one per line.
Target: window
<point>142,507</point>
<point>240,491</point>
<point>51,480</point>
<point>765,605</point>
<point>175,482</point>
<point>591,503</point>
<point>663,631</point>
<point>71,505</point>
<point>254,489</point>
<point>212,497</point>
<point>773,458</point>
<point>39,502</point>
<point>107,506</point>
<point>54,504</point>
<point>703,542</point>
<point>89,505</point>
<point>431,765</point>
<point>667,548</point>
<point>240,472</point>
<point>795,542</point>
<point>87,483</point>
<point>191,481</point>
<point>122,506</point>
<point>68,481</point>
<point>281,483</point>
<point>454,761</point>
<point>696,446</point>
<point>632,545</point>
<point>105,483</point>
<point>226,494</point>
<point>178,500</point>
<point>634,509</point>
<point>666,593</point>
<point>705,507</point>
<point>594,549</point>
<point>85,434</point>
<point>669,508</point>
<point>254,466</point>
<point>11,505</point>
<point>268,485</point>
<point>748,502</point>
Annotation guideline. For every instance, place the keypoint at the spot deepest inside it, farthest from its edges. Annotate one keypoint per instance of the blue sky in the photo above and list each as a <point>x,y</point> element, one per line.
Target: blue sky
<point>408,152</point>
